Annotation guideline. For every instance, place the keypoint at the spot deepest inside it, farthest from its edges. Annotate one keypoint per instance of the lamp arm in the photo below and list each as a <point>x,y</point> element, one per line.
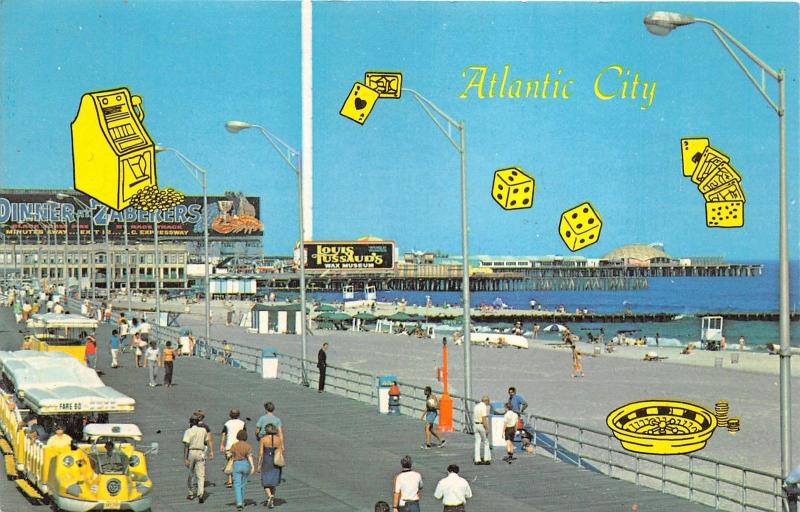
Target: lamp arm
<point>429,107</point>
<point>763,65</point>
<point>746,71</point>
<point>192,167</point>
<point>284,150</point>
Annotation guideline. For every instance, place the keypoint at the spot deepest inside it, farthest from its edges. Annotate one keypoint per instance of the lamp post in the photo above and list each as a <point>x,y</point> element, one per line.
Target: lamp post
<point>127,262</point>
<point>295,161</point>
<point>662,23</point>
<point>201,176</point>
<point>88,211</point>
<point>446,125</point>
<point>66,249</point>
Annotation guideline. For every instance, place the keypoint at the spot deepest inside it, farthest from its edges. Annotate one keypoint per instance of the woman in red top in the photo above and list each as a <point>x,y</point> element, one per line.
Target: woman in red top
<point>91,353</point>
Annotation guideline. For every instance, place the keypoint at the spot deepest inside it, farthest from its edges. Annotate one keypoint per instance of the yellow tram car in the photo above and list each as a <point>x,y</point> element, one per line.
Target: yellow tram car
<point>102,468</point>
<point>61,332</point>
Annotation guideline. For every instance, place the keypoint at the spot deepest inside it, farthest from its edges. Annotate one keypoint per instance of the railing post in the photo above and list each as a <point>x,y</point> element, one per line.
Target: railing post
<point>744,489</point>
<point>691,478</point>
<point>580,447</point>
<point>555,445</point>
<point>716,486</point>
<point>663,473</point>
<point>608,453</point>
<point>638,468</point>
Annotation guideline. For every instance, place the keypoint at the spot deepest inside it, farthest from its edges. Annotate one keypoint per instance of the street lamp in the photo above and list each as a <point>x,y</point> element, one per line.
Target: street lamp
<point>201,176</point>
<point>295,161</point>
<point>446,125</point>
<point>66,250</point>
<point>88,211</point>
<point>662,23</point>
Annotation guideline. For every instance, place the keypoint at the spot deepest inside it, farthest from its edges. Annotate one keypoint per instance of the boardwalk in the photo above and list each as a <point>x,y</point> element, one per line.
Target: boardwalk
<point>341,454</point>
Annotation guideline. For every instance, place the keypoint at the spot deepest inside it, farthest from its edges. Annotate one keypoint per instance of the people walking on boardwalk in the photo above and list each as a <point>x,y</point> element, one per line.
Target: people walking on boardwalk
<point>153,359</point>
<point>144,329</point>
<point>577,366</point>
<point>91,353</point>
<point>168,356</point>
<point>194,458</point>
<point>270,442</point>
<point>453,490</point>
<point>108,313</point>
<point>429,417</point>
<point>407,488</point>
<point>483,448</point>
<point>113,344</point>
<point>267,419</point>
<point>322,365</point>
<point>510,419</point>
<point>228,436</point>
<point>518,403</point>
<point>242,455</point>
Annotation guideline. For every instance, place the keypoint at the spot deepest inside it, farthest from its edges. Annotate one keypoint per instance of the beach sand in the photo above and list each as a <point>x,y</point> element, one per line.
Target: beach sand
<point>542,375</point>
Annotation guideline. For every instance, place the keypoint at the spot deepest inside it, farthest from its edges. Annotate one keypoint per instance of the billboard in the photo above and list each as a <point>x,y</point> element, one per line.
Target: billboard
<point>352,255</point>
<point>33,216</point>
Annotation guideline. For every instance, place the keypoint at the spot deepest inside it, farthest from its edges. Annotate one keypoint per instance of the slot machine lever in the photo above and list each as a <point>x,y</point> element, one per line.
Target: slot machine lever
<point>137,107</point>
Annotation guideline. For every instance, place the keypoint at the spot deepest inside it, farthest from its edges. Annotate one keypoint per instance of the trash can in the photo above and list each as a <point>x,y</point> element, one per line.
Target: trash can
<point>496,424</point>
<point>384,383</point>
<point>269,363</point>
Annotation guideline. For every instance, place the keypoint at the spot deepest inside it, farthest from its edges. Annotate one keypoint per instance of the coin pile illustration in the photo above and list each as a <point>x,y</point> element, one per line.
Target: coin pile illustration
<point>721,412</point>
<point>152,198</point>
<point>718,181</point>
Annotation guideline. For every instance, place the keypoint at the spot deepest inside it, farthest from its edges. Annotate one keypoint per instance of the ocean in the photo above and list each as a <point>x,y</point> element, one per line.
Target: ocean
<point>683,296</point>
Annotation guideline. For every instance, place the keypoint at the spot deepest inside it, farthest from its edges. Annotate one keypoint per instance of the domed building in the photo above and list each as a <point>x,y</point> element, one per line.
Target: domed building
<point>641,255</point>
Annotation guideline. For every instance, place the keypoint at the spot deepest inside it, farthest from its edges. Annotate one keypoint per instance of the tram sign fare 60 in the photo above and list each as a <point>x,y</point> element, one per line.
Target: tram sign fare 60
<point>350,256</point>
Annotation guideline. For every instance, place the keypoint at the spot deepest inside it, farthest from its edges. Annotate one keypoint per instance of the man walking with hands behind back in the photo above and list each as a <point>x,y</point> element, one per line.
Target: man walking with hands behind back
<point>453,490</point>
<point>480,415</point>
<point>322,365</point>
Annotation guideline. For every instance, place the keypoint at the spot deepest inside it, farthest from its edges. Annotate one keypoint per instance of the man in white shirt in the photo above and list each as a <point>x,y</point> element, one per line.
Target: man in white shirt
<point>453,490</point>
<point>194,458</point>
<point>144,332</point>
<point>228,437</point>
<point>480,415</point>
<point>407,488</point>
<point>510,423</point>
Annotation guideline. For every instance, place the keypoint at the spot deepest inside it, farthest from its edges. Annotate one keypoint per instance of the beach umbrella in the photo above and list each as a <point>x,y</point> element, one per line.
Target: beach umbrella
<point>326,308</point>
<point>399,316</point>
<point>416,318</point>
<point>366,316</point>
<point>332,316</point>
<point>555,328</point>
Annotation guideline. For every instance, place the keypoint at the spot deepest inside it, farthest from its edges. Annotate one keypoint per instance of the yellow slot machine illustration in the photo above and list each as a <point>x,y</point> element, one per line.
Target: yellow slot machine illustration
<point>112,153</point>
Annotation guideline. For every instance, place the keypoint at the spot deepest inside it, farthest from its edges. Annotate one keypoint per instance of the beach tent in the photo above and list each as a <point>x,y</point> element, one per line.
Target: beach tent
<point>555,328</point>
<point>280,318</point>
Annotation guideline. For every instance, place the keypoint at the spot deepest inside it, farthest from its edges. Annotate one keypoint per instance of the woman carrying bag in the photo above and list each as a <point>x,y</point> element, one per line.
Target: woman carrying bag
<point>242,467</point>
<point>270,460</point>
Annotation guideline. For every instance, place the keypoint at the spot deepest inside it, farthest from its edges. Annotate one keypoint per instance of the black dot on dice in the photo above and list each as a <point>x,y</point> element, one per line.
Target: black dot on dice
<point>574,215</point>
<point>590,221</point>
<point>567,234</point>
<point>581,240</point>
<point>579,226</point>
<point>515,191</point>
<point>499,187</point>
<point>513,173</point>
<point>591,237</point>
<point>527,189</point>
<point>513,203</point>
<point>525,201</point>
<point>500,196</point>
<point>585,210</point>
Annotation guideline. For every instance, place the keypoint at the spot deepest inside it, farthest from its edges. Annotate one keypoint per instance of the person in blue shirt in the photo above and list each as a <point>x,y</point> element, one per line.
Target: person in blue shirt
<point>114,344</point>
<point>268,419</point>
<point>518,404</point>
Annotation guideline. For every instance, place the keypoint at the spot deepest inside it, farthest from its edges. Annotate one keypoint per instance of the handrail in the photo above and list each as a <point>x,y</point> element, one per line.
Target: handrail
<point>682,473</point>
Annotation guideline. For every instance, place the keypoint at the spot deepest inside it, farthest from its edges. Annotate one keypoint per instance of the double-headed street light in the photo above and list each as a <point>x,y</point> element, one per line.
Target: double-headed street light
<point>294,159</point>
<point>662,23</point>
<point>200,175</point>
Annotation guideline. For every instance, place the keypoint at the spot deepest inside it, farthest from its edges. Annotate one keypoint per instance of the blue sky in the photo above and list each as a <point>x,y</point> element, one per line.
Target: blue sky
<point>197,64</point>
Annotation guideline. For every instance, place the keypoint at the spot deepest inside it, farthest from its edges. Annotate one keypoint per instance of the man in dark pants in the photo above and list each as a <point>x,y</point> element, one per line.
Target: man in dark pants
<point>322,365</point>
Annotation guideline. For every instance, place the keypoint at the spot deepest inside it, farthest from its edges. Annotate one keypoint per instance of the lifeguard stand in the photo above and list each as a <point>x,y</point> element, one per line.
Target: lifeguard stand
<point>711,332</point>
<point>113,156</point>
<point>348,292</point>
<point>370,293</point>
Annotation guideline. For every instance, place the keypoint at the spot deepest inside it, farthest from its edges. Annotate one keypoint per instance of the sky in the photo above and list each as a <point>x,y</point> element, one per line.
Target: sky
<point>198,64</point>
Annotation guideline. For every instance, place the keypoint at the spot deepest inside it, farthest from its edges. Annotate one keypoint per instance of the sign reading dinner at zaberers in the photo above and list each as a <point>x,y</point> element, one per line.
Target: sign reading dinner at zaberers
<point>349,255</point>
